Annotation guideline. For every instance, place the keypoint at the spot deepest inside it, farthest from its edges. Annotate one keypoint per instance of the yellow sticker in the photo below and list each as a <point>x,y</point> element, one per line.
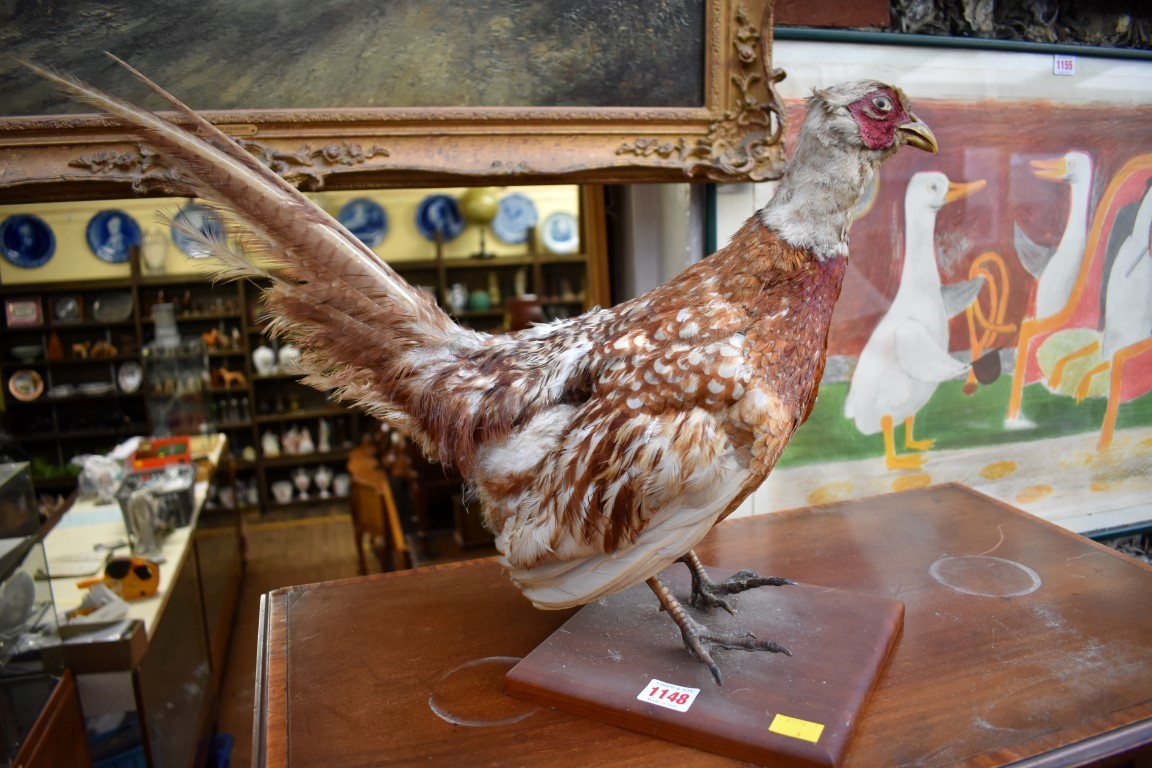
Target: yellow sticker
<point>796,728</point>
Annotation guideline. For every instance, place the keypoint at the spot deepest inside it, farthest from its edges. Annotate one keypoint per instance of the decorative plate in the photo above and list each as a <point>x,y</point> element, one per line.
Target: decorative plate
<point>96,387</point>
<point>111,234</point>
<point>61,390</point>
<point>439,213</point>
<point>561,233</point>
<point>26,385</point>
<point>112,307</point>
<point>26,240</point>
<point>129,376</point>
<point>365,219</point>
<point>26,353</point>
<point>66,309</point>
<point>516,215</point>
<point>199,218</point>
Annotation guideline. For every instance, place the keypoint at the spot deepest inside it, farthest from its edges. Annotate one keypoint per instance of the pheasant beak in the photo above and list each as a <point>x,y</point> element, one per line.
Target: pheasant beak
<point>1050,169</point>
<point>957,191</point>
<point>917,133</point>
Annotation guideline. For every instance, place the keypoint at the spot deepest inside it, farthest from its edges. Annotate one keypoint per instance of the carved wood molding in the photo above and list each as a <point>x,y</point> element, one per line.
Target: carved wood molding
<point>745,141</point>
<point>734,136</point>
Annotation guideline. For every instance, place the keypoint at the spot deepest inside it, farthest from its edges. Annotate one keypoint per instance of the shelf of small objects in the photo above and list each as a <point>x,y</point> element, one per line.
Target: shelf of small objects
<point>329,485</point>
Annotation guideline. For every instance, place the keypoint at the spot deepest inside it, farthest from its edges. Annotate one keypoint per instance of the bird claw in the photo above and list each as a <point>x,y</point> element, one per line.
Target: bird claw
<point>706,594</point>
<point>701,641</point>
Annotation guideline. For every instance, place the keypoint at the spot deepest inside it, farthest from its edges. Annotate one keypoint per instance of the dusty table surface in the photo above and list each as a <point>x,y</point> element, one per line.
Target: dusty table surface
<point>1021,642</point>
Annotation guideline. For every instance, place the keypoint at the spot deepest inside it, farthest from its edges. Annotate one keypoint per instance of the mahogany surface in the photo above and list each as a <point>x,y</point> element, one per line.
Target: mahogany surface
<point>1054,669</point>
<point>796,711</point>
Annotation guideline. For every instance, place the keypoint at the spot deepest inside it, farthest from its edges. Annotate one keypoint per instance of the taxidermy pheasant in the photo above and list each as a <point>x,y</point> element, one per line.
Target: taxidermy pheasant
<point>602,447</point>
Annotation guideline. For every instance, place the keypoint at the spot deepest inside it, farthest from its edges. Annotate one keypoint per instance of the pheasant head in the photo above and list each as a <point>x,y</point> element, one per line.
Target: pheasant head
<point>851,128</point>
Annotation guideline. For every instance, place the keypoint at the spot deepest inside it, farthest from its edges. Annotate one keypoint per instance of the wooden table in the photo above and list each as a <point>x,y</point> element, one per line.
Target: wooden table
<point>1022,642</point>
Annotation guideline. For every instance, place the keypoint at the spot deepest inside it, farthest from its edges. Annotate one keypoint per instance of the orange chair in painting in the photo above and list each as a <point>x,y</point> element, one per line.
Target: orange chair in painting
<point>1131,367</point>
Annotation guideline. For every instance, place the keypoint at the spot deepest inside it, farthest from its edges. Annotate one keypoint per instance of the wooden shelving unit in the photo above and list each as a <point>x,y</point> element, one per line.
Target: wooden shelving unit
<point>53,429</point>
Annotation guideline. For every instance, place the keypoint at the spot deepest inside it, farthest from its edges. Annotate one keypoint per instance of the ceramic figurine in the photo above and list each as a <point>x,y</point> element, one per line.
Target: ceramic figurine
<point>458,297</point>
<point>282,490</point>
<point>289,359</point>
<point>291,441</point>
<point>325,436</point>
<point>305,444</point>
<point>264,359</point>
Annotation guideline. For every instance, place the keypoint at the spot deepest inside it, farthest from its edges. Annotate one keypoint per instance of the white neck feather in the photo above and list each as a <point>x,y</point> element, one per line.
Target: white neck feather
<point>812,207</point>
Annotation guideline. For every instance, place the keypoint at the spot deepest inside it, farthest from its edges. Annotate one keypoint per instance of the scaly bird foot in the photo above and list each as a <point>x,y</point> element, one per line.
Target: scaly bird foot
<point>701,641</point>
<point>706,593</point>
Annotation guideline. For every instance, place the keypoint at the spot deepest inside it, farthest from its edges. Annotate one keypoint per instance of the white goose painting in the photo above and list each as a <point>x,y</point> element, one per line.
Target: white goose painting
<point>1056,269</point>
<point>907,356</point>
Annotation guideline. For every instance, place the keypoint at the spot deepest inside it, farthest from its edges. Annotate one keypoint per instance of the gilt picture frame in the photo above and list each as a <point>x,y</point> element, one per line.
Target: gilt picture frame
<point>726,128</point>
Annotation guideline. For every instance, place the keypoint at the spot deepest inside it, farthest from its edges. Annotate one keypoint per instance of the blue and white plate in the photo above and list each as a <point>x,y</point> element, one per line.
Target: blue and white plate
<point>365,219</point>
<point>200,218</point>
<point>561,233</point>
<point>26,240</point>
<point>516,215</point>
<point>439,213</point>
<point>111,234</point>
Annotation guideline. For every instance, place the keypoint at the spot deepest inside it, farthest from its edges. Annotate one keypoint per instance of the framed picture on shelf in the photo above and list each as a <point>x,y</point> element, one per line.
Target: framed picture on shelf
<point>23,312</point>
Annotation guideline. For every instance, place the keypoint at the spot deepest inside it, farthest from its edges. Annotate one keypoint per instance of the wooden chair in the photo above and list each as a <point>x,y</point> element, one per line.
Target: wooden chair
<point>374,512</point>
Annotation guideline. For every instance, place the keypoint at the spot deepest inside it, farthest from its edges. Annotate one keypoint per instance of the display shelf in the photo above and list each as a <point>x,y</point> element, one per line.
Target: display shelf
<point>313,497</point>
<point>302,415</point>
<point>299,459</point>
<point>84,434</point>
<point>227,317</point>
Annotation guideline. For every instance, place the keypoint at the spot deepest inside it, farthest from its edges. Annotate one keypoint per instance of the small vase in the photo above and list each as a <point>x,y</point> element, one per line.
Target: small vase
<point>154,249</point>
<point>282,490</point>
<point>289,359</point>
<point>458,297</point>
<point>270,444</point>
<point>479,301</point>
<point>264,359</point>
<point>323,480</point>
<point>302,480</point>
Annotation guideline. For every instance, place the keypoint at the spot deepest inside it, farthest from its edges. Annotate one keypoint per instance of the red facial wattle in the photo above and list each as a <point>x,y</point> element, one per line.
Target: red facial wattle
<point>877,127</point>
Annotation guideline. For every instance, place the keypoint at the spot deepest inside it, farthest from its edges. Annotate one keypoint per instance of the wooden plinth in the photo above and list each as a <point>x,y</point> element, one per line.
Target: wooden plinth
<point>772,709</point>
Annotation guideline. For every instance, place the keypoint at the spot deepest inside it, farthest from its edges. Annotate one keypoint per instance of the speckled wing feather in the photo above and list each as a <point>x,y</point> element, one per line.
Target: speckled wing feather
<point>700,384</point>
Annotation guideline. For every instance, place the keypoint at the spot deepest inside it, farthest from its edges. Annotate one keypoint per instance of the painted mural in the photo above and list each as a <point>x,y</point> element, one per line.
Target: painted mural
<point>995,327</point>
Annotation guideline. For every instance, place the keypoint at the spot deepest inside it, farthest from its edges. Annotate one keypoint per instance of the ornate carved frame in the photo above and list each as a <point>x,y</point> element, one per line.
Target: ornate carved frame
<point>735,135</point>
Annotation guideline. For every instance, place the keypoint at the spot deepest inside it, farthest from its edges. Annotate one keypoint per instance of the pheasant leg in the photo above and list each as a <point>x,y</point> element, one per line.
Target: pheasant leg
<point>700,640</point>
<point>708,594</point>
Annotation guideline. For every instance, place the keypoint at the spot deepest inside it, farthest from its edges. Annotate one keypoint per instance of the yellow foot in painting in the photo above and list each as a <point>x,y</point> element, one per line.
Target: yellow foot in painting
<point>907,461</point>
<point>919,445</point>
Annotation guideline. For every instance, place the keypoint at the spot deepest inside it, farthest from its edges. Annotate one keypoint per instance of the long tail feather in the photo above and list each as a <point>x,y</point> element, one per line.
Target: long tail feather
<point>365,332</point>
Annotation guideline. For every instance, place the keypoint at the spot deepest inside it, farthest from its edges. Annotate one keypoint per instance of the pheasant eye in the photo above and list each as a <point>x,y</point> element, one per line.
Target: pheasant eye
<point>882,103</point>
